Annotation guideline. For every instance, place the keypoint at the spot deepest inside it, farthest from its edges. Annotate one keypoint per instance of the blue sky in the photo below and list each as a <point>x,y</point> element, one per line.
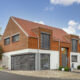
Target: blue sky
<point>63,14</point>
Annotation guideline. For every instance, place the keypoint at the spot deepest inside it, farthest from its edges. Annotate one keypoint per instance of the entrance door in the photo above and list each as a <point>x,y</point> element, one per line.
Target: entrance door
<point>64,53</point>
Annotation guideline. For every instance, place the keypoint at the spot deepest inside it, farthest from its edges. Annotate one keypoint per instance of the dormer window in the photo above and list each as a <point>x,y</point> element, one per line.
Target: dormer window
<point>74,45</point>
<point>45,41</point>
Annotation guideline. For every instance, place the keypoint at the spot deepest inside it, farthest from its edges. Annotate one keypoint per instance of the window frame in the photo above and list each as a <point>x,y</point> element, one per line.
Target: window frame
<point>43,43</point>
<point>76,58</point>
<point>79,41</point>
<point>43,60</point>
<point>5,41</point>
<point>13,41</point>
<point>75,45</point>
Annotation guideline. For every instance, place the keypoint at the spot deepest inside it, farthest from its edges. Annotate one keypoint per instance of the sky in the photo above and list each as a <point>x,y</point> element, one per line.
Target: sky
<point>64,14</point>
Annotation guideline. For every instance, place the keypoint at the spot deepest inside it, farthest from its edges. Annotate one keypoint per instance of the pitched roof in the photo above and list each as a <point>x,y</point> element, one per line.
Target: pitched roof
<point>27,26</point>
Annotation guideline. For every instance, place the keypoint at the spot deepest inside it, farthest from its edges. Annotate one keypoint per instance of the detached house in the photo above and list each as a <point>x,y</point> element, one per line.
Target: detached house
<point>32,46</point>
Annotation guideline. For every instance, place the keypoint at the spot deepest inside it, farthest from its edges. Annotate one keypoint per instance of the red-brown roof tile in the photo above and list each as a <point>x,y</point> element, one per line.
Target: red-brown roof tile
<point>58,34</point>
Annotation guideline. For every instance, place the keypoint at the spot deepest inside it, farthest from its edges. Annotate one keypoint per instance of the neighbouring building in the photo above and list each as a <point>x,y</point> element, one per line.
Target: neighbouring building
<point>75,51</point>
<point>32,46</point>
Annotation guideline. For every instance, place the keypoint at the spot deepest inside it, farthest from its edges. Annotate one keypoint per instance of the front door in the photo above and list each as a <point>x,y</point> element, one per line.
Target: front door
<point>64,53</point>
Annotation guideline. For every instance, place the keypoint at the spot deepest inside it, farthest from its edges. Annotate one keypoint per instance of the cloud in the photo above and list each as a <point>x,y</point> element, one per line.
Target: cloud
<point>72,23</point>
<point>73,27</point>
<point>40,22</point>
<point>64,2</point>
<point>49,8</point>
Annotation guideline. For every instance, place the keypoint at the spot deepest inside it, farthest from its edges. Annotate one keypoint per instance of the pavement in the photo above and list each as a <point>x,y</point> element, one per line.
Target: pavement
<point>39,75</point>
<point>10,76</point>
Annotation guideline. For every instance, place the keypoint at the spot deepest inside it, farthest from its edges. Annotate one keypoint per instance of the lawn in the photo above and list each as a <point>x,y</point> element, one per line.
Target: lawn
<point>1,69</point>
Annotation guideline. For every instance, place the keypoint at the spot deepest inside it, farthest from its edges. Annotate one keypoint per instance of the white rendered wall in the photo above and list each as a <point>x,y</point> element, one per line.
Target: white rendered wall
<point>54,60</point>
<point>78,59</point>
<point>54,57</point>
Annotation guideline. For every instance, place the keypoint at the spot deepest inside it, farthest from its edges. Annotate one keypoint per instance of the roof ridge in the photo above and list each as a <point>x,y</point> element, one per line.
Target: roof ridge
<point>27,26</point>
<point>19,26</point>
<point>40,24</point>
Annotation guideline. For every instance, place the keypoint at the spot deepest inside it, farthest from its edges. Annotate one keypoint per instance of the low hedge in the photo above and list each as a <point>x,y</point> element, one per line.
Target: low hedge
<point>60,68</point>
<point>65,68</point>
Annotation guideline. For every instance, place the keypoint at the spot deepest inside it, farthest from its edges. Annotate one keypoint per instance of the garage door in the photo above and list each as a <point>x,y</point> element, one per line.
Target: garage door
<point>23,62</point>
<point>45,61</point>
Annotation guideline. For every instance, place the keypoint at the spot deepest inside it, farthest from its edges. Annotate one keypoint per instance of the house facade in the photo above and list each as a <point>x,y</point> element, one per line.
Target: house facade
<point>75,51</point>
<point>32,46</point>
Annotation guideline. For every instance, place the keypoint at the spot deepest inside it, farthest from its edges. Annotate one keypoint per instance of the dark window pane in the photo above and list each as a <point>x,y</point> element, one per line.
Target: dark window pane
<point>42,41</point>
<point>45,61</point>
<point>74,58</point>
<point>15,38</point>
<point>23,62</point>
<point>79,41</point>
<point>74,45</point>
<point>45,41</point>
<point>6,41</point>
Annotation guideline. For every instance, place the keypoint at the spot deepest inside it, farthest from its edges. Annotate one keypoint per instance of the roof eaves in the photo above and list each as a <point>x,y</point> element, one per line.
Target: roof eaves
<point>19,26</point>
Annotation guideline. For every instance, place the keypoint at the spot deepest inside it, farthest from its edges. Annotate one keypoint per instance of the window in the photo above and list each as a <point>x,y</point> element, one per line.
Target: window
<point>79,41</point>
<point>0,38</point>
<point>45,41</point>
<point>15,38</point>
<point>6,41</point>
<point>74,45</point>
<point>74,58</point>
<point>45,61</point>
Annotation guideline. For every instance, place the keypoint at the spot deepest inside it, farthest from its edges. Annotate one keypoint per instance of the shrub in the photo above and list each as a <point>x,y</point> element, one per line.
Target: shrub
<point>78,67</point>
<point>67,69</point>
<point>60,68</point>
<point>1,51</point>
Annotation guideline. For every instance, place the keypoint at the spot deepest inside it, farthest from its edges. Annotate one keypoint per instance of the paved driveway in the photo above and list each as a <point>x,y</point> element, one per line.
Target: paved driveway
<point>10,76</point>
<point>48,74</point>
